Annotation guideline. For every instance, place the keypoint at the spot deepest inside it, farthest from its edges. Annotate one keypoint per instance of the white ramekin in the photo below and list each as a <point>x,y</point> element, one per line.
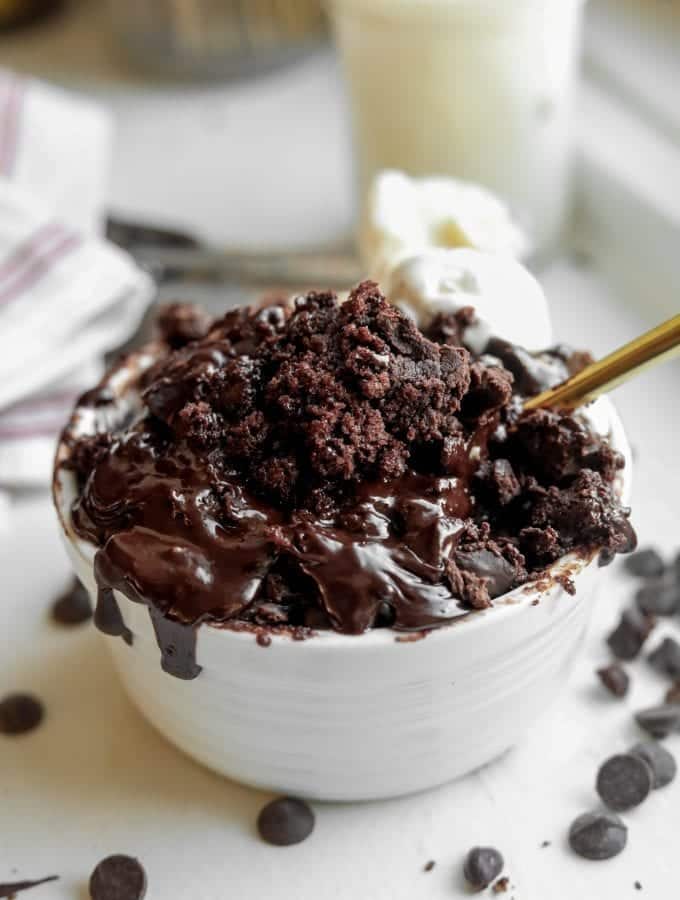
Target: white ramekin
<point>339,717</point>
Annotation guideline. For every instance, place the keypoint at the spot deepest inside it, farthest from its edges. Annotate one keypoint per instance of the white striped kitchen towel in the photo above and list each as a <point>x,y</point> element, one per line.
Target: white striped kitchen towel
<point>66,295</point>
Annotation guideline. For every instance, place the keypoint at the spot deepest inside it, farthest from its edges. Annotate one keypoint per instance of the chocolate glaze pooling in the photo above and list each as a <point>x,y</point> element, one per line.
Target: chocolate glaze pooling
<point>329,466</point>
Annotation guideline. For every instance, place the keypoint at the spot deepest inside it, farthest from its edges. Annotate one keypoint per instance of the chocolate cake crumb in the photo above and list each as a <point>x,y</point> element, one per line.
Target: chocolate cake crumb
<point>429,866</point>
<point>180,323</point>
<point>501,886</point>
<point>615,678</point>
<point>328,465</point>
<point>673,693</point>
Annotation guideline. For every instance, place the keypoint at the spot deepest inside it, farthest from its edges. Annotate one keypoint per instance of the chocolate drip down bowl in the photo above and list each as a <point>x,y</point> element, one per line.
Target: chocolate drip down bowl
<point>331,556</point>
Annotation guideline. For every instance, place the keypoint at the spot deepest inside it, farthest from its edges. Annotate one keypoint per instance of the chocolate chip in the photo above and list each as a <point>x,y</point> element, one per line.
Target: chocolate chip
<point>9,889</point>
<point>637,886</point>
<point>624,781</point>
<point>482,866</point>
<point>660,761</point>
<point>118,877</point>
<point>615,679</point>
<point>285,821</point>
<point>673,693</point>
<point>429,866</point>
<point>666,658</point>
<point>659,598</point>
<point>20,713</point>
<point>645,563</point>
<point>598,835</point>
<point>545,844</point>
<point>660,721</point>
<point>501,886</point>
<point>73,606</point>
<point>630,634</point>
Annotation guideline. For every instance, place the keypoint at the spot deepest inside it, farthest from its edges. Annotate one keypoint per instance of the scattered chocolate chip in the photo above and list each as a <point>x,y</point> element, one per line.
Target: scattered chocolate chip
<point>630,634</point>
<point>660,721</point>
<point>9,889</point>
<point>545,844</point>
<point>673,693</point>
<point>429,866</point>
<point>501,886</point>
<point>666,658</point>
<point>637,886</point>
<point>598,835</point>
<point>482,866</point>
<point>659,598</point>
<point>645,563</point>
<point>118,877</point>
<point>20,713</point>
<point>660,761</point>
<point>615,679</point>
<point>73,606</point>
<point>624,781</point>
<point>285,821</point>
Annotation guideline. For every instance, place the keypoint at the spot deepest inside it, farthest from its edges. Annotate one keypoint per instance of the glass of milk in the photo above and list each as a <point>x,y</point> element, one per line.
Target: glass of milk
<point>477,89</point>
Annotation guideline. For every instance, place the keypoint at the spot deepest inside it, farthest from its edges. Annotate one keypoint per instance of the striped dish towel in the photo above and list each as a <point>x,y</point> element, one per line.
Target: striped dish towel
<point>66,295</point>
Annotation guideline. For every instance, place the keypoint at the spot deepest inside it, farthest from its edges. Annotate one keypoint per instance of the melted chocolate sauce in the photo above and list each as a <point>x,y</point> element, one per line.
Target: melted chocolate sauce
<point>333,469</point>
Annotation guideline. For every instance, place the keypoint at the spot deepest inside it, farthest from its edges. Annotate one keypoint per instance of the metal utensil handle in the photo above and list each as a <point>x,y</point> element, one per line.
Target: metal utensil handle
<point>661,343</point>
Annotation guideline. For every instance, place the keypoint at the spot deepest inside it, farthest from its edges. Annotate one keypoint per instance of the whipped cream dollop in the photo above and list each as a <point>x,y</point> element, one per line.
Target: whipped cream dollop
<point>508,301</point>
<point>404,216</point>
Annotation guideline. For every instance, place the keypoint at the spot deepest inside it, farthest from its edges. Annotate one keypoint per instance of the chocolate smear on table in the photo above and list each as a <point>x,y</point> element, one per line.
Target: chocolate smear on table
<point>329,465</point>
<point>10,889</point>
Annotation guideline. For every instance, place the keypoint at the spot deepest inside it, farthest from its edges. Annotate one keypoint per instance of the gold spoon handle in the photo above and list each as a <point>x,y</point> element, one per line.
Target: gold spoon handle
<point>656,345</point>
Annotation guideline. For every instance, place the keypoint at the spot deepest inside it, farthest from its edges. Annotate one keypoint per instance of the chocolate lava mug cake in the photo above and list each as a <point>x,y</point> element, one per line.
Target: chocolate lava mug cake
<point>331,554</point>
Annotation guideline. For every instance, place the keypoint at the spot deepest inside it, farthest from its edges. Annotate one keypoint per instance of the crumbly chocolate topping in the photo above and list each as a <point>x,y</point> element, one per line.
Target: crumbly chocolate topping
<point>329,465</point>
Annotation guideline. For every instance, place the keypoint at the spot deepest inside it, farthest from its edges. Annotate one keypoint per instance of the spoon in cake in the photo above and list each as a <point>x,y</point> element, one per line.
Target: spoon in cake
<point>655,346</point>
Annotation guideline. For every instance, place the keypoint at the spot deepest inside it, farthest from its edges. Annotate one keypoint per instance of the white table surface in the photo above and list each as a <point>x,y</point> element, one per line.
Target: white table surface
<point>250,163</point>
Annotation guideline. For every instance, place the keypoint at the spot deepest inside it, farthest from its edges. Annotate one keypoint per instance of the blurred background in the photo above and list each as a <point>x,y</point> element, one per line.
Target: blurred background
<point>246,122</point>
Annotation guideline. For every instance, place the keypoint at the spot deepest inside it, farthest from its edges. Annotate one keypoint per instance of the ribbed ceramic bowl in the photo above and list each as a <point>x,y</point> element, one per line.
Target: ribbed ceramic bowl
<point>339,717</point>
